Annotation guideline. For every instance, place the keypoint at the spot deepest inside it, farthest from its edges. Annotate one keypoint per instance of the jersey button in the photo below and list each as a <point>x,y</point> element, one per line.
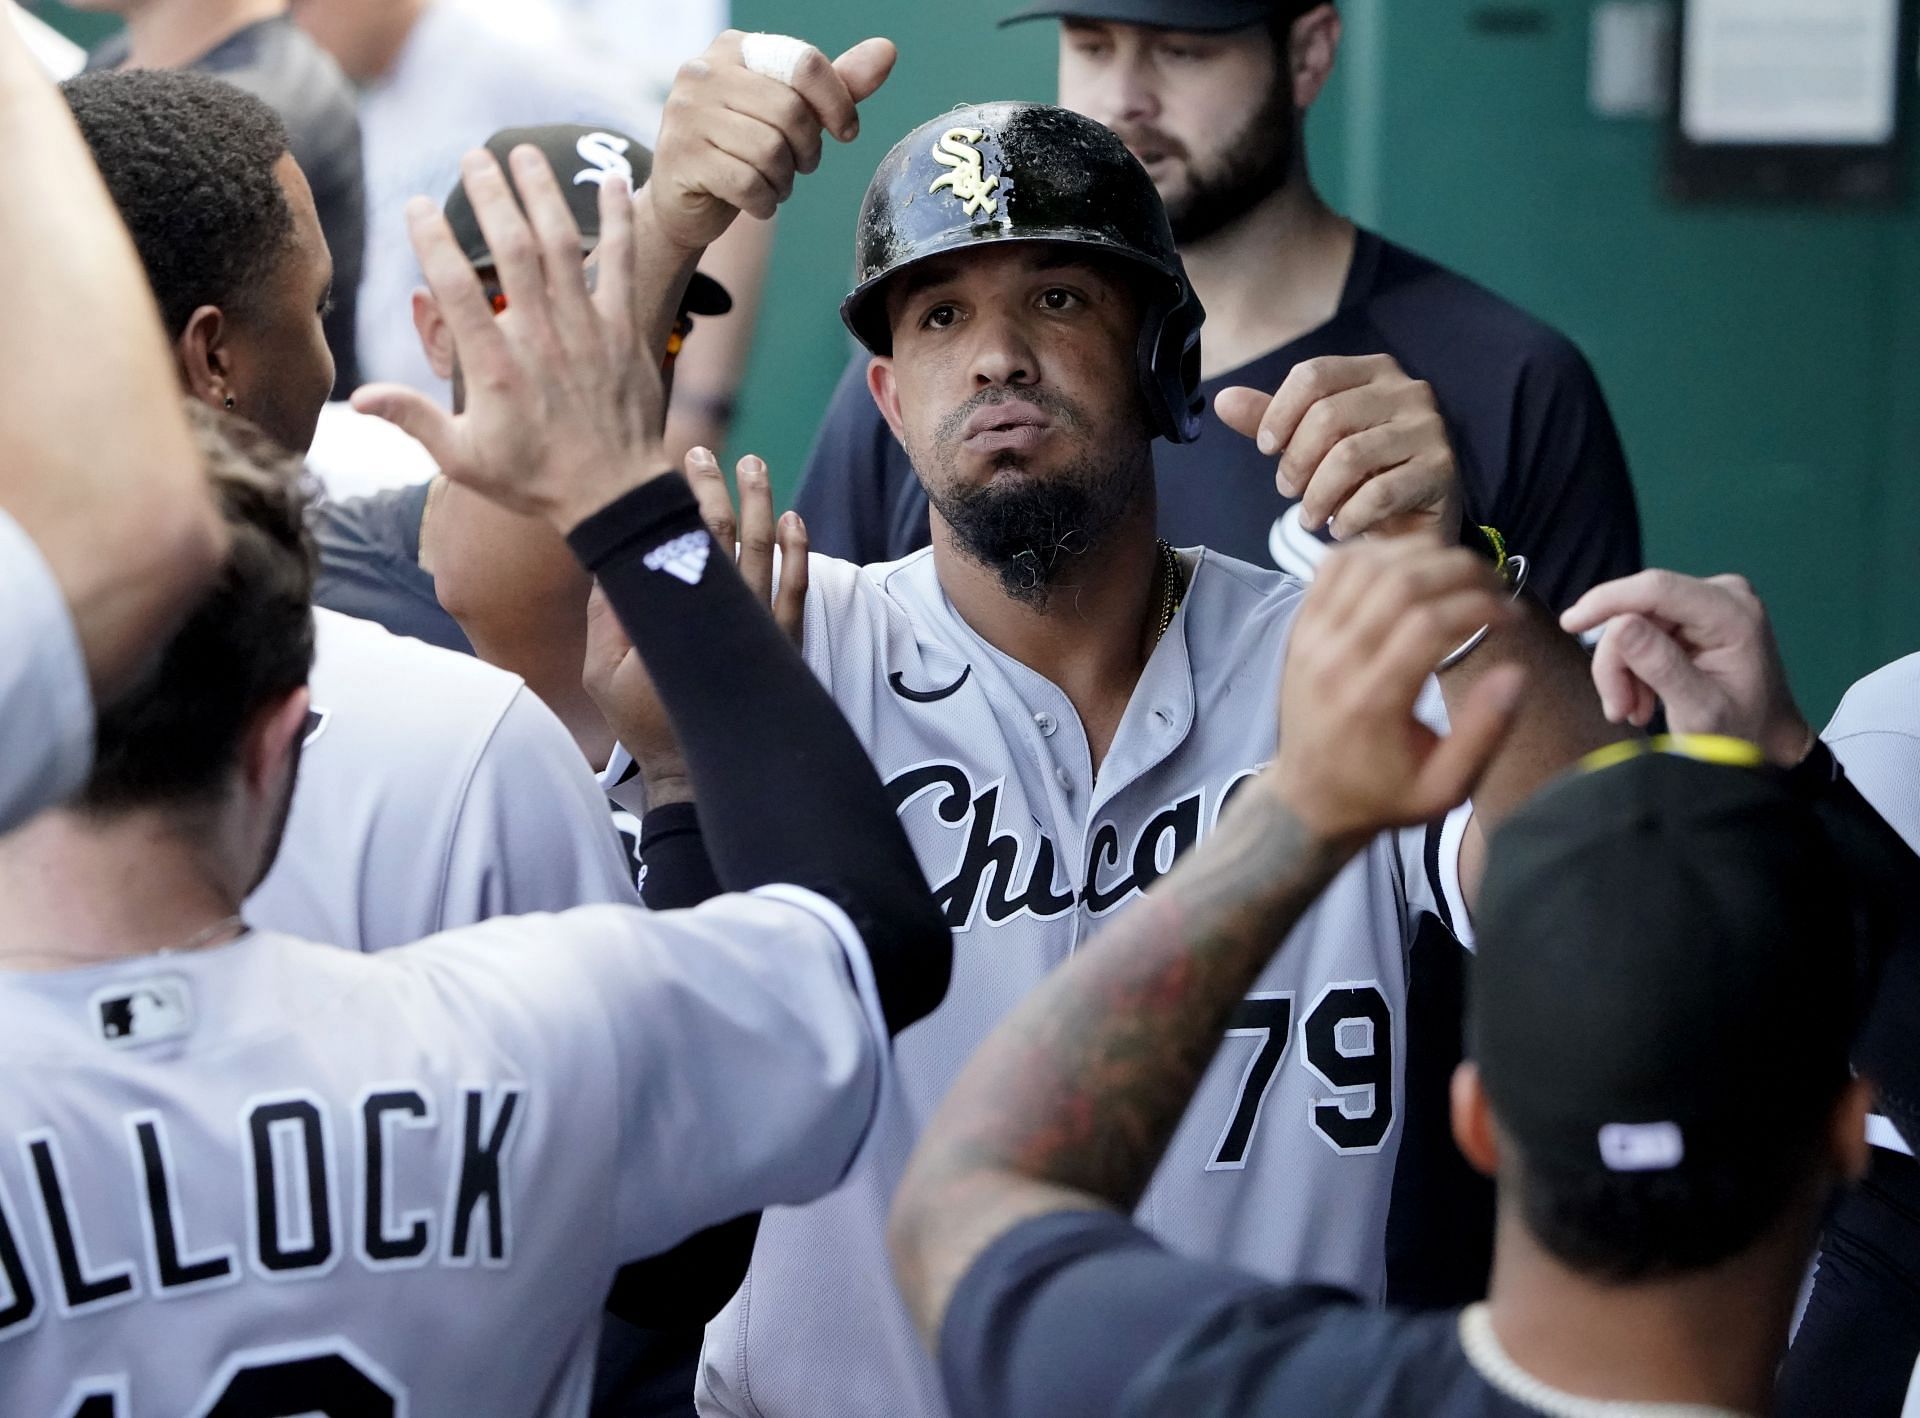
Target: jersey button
<point>1064,779</point>
<point>1046,723</point>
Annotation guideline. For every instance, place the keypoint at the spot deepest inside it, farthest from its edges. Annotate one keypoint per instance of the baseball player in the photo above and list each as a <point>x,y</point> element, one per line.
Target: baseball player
<point>435,791</point>
<point>107,535</point>
<point>1664,995</point>
<point>251,1175</point>
<point>1059,704</point>
<point>1215,98</point>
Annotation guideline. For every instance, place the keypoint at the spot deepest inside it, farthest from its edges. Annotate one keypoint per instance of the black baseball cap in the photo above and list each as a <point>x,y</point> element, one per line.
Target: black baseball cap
<point>582,158</point>
<point>1196,16</point>
<point>1665,975</point>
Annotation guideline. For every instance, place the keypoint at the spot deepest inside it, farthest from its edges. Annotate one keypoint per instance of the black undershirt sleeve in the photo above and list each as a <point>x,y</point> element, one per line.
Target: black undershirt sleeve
<point>679,872</point>
<point>786,792</point>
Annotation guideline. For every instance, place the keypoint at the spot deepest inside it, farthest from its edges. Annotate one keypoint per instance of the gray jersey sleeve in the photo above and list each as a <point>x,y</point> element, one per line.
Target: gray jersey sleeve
<point>734,1053</point>
<point>1875,734</point>
<point>533,832</point>
<point>46,704</point>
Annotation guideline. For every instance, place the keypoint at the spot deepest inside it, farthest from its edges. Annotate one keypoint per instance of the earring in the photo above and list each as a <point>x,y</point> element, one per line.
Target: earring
<point>229,401</point>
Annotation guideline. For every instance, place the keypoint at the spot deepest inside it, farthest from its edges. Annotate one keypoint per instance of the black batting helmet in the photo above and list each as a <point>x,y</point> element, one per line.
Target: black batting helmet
<point>997,172</point>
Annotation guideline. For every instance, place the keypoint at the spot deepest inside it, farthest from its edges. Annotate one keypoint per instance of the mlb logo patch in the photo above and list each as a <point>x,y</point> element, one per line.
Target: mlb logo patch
<point>148,1011</point>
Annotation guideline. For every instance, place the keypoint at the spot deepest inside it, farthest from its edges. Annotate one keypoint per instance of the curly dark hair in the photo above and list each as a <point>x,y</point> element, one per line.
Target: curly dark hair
<point>171,741</point>
<point>190,162</point>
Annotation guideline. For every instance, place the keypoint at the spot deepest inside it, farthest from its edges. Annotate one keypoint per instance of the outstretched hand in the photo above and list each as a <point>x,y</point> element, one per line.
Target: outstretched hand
<point>733,139</point>
<point>564,412</point>
<point>1353,759</point>
<point>1361,444</point>
<point>1704,648</point>
<point>614,676</point>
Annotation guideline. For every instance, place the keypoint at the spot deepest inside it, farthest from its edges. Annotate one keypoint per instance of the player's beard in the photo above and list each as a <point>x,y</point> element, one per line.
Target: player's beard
<point>1032,531</point>
<point>1254,165</point>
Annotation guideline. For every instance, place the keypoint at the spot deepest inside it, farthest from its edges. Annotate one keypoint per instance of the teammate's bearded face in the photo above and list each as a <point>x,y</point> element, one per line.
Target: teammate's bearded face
<point>281,370</point>
<point>1180,103</point>
<point>1013,387</point>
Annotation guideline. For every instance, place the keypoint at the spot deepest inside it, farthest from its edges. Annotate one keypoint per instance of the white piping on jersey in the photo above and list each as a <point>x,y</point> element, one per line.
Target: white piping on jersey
<point>1490,1360</point>
<point>1882,1133</point>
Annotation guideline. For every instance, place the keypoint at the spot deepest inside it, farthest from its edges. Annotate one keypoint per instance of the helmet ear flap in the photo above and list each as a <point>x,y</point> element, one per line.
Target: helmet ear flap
<point>1170,366</point>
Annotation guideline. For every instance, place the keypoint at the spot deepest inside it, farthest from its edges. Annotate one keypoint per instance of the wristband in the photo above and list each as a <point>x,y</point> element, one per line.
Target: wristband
<point>633,516</point>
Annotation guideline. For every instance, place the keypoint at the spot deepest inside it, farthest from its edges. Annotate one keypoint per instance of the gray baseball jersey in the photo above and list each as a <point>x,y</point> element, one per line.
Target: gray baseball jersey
<point>435,791</point>
<point>1285,1161</point>
<point>46,704</point>
<point>276,1178</point>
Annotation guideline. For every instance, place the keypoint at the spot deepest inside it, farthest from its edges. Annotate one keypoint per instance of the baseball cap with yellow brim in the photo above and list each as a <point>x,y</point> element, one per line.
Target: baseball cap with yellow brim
<point>582,158</point>
<point>1665,977</point>
<point>1192,16</point>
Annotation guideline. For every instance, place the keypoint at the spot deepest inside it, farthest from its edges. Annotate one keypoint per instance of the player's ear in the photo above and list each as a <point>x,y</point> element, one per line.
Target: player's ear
<point>435,339</point>
<point>273,740</point>
<point>886,393</point>
<point>206,364</point>
<point>1473,1126</point>
<point>1850,1149</point>
<point>1310,52</point>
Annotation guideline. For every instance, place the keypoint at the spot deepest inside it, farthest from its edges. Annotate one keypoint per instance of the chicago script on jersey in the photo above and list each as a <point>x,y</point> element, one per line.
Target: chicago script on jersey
<point>1005,872</point>
<point>313,1188</point>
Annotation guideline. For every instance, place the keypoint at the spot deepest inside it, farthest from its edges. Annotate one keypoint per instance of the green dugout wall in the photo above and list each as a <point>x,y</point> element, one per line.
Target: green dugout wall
<point>1763,363</point>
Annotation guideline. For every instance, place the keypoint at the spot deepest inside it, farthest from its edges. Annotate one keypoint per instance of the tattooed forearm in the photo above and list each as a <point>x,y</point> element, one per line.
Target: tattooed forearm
<point>1073,1099</point>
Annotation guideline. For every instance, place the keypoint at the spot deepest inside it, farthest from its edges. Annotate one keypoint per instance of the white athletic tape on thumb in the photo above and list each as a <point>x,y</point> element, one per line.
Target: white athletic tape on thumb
<point>777,56</point>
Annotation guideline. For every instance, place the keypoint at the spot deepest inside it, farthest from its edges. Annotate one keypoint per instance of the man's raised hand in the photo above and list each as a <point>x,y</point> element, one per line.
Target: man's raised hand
<point>614,676</point>
<point>1361,444</point>
<point>1353,759</point>
<point>733,136</point>
<point>1704,648</point>
<point>564,409</point>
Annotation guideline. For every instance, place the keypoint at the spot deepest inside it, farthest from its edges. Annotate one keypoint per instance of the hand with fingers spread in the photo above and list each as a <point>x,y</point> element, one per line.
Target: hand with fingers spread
<point>614,675</point>
<point>1353,759</point>
<point>733,136</point>
<point>1359,443</point>
<point>1704,648</point>
<point>562,415</point>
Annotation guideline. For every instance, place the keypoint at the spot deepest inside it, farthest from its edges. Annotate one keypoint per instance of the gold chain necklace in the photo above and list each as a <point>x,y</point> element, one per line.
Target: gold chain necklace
<point>1173,588</point>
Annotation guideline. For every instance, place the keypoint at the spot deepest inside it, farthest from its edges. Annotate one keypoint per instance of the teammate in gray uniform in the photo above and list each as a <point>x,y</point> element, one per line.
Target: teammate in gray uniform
<point>253,1175</point>
<point>107,535</point>
<point>436,791</point>
<point>1060,705</point>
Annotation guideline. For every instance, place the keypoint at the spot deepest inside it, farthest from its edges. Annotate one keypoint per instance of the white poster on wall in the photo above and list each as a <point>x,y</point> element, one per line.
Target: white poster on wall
<point>1791,71</point>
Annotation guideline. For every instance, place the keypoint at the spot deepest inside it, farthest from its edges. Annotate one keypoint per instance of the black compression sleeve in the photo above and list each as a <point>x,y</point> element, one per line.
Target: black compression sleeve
<point>786,792</point>
<point>679,873</point>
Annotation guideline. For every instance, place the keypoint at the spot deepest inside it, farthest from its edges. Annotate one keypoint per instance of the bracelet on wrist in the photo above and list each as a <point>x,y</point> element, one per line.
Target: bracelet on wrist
<point>1509,566</point>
